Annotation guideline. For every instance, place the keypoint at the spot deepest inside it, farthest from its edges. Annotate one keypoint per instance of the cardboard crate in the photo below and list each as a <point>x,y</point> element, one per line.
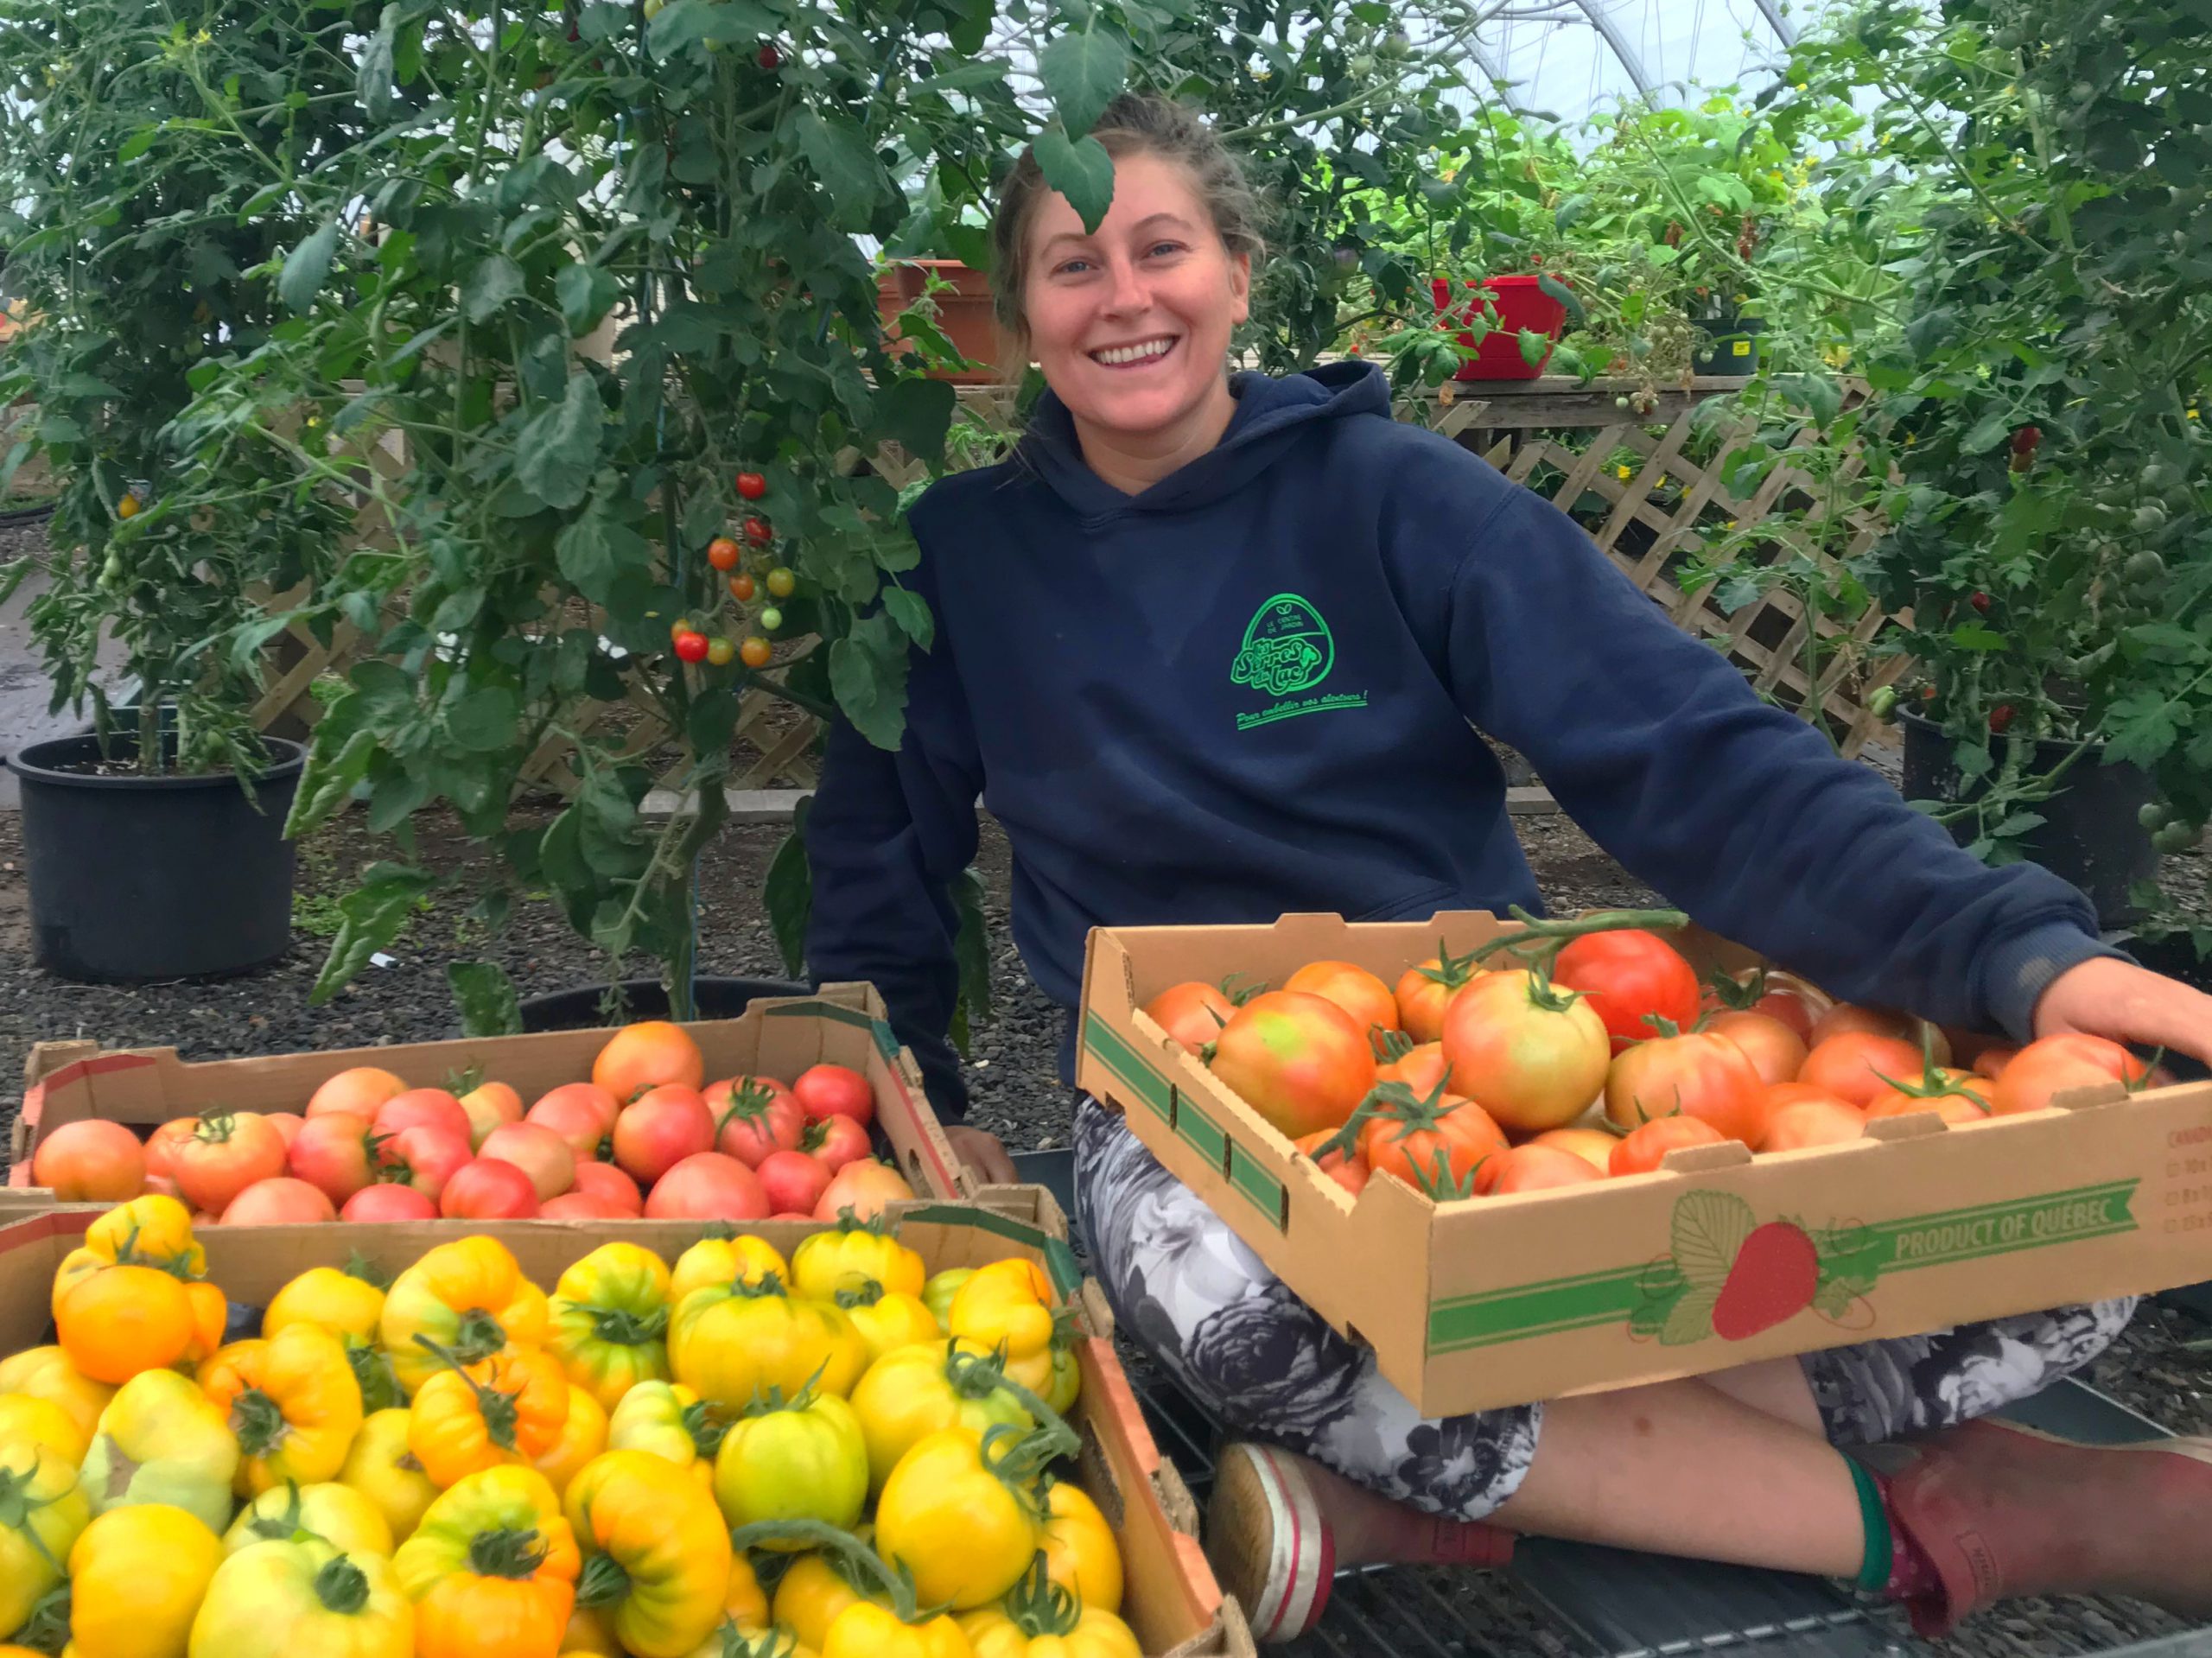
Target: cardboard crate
<point>841,1024</point>
<point>1495,1301</point>
<point>1171,1598</point>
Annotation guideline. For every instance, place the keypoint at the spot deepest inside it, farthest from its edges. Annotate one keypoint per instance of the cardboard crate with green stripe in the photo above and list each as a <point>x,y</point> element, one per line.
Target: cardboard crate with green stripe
<point>1718,1259</point>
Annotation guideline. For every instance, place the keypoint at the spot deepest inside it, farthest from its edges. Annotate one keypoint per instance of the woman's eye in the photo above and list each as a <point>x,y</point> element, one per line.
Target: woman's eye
<point>1072,267</point>
<point>1158,248</point>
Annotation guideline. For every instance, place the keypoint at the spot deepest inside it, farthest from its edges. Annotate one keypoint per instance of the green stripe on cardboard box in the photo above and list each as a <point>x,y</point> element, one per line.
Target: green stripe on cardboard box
<point>1729,1274</point>
<point>1149,1087</point>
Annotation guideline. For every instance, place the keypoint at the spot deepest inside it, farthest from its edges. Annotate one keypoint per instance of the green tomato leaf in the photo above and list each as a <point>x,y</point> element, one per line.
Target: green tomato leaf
<point>788,892</point>
<point>595,551</point>
<point>306,269</point>
<point>559,448</point>
<point>844,164</point>
<point>1083,74</point>
<point>486,720</point>
<point>486,996</point>
<point>370,918</point>
<point>586,293</point>
<point>911,612</point>
<point>373,79</point>
<point>332,771</point>
<point>916,413</point>
<point>491,283</point>
<point>1082,171</point>
<point>867,674</point>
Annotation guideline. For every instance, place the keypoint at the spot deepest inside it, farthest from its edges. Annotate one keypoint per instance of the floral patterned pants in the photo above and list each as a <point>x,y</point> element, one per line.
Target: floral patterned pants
<point>1185,1288</point>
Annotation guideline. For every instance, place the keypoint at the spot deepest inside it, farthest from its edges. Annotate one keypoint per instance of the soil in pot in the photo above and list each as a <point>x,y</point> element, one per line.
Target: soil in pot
<point>2090,835</point>
<point>582,1009</point>
<point>135,878</point>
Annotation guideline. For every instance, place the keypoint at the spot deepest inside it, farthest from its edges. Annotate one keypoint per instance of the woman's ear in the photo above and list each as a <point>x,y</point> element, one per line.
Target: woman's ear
<point>1240,286</point>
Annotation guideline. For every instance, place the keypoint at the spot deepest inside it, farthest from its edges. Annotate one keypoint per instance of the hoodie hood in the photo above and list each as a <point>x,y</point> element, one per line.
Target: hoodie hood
<point>1271,414</point>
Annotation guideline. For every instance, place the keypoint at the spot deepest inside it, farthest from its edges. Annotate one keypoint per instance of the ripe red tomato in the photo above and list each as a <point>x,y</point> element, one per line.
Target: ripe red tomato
<point>751,485</point>
<point>691,647</point>
<point>835,1141</point>
<point>864,1186</point>
<point>356,1092</point>
<point>1346,1168</point>
<point>768,58</point>
<point>645,1055</point>
<point>287,1124</point>
<point>1297,1059</point>
<point>753,1117</point>
<point>1814,1118</point>
<point>723,552</point>
<point>1420,1068</point>
<point>1535,1168</point>
<point>279,1201</point>
<point>388,1203</point>
<point>538,1151</point>
<point>1532,1056</point>
<point>1352,987</point>
<point>333,1154</point>
<point>1879,1021</point>
<point>835,1091</point>
<point>1856,1066</point>
<point>485,1189</point>
<point>1191,1012</point>
<point>1642,1149</point>
<point>94,1162</point>
<point>224,1156</point>
<point>1629,974</point>
<point>581,1112</point>
<point>708,1186</point>
<point>1424,991</point>
<point>758,532</point>
<point>2052,1064</point>
<point>609,1184</point>
<point>583,1206</point>
<point>1776,1052</point>
<point>659,1129</point>
<point>1698,1075</point>
<point>161,1145</point>
<point>418,1107</point>
<point>423,1157</point>
<point>793,1181</point>
<point>1433,1147</point>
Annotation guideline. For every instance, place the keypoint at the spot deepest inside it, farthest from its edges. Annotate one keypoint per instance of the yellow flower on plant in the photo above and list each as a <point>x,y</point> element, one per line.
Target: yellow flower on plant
<point>1621,473</point>
<point>2192,414</point>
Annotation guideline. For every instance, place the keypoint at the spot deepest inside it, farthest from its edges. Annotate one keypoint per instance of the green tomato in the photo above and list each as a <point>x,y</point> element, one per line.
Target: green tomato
<point>802,1461</point>
<point>770,619</point>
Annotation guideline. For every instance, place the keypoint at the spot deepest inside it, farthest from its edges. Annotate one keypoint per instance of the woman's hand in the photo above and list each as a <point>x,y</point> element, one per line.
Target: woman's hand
<point>2115,999</point>
<point>982,1153</point>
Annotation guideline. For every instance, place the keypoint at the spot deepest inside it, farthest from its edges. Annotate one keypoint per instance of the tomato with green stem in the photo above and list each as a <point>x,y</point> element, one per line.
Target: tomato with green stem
<point>751,485</point>
<point>912,1392</point>
<point>1425,991</point>
<point>1432,1142</point>
<point>656,1555</point>
<point>1193,1013</point>
<point>741,588</point>
<point>804,1459</point>
<point>849,1600</point>
<point>1644,1148</point>
<point>1629,974</point>
<point>780,582</point>
<point>1041,1617</point>
<point>1694,1073</point>
<point>1532,1055</point>
<point>963,1511</point>
<point>691,647</point>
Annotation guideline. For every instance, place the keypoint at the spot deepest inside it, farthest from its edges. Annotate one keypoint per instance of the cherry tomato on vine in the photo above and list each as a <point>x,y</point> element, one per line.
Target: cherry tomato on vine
<point>768,58</point>
<point>720,651</point>
<point>2000,718</point>
<point>758,531</point>
<point>752,486</point>
<point>740,587</point>
<point>691,647</point>
<point>755,651</point>
<point>780,582</point>
<point>678,628</point>
<point>1981,602</point>
<point>127,507</point>
<point>771,619</point>
<point>723,553</point>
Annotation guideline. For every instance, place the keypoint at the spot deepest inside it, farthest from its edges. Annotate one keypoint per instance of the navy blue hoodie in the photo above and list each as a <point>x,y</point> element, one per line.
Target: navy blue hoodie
<point>1256,687</point>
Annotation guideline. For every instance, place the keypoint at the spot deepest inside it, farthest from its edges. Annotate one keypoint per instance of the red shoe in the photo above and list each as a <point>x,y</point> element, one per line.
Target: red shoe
<point>1274,1549</point>
<point>2000,1510</point>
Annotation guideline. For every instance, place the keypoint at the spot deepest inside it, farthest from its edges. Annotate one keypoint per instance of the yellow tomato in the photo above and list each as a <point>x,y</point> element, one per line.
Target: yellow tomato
<point>491,1569</point>
<point>162,1440</point>
<point>725,1260</point>
<point>886,1318</point>
<point>304,1599</point>
<point>856,1252</point>
<point>45,1423</point>
<point>871,1631</point>
<point>914,1391</point>
<point>956,1520</point>
<point>1080,1553</point>
<point>345,1303</point>
<point>293,1403</point>
<point>589,1633</point>
<point>583,1436</point>
<point>1088,1633</point>
<point>511,1407</point>
<point>137,1576</point>
<point>468,1297</point>
<point>813,1590</point>
<point>609,1318</point>
<point>46,1373</point>
<point>42,1512</point>
<point>733,1342</point>
<point>657,1554</point>
<point>1009,1303</point>
<point>154,1230</point>
<point>669,1420</point>
<point>337,1513</point>
<point>382,1470</point>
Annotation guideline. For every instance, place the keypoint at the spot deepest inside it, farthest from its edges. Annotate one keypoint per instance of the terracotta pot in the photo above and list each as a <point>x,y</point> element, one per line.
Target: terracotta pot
<point>964,314</point>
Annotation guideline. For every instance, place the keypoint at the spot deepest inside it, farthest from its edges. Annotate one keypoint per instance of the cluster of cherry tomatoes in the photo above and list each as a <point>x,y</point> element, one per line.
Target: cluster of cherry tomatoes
<point>1588,1049</point>
<point>724,553</point>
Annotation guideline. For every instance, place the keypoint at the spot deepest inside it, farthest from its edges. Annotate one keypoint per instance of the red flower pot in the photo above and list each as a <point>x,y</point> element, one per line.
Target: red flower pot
<point>964,315</point>
<point>1520,303</point>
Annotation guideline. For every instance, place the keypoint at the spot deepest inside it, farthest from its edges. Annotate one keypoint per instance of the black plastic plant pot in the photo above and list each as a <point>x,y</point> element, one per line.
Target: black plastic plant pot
<point>581,1010</point>
<point>1729,344</point>
<point>134,879</point>
<point>2090,835</point>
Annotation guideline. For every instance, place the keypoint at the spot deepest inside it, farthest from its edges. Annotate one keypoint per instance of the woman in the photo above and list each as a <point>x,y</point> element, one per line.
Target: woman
<point>1215,649</point>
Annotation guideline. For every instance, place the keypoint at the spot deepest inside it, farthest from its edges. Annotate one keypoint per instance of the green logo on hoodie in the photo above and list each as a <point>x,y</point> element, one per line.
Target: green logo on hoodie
<point>1288,649</point>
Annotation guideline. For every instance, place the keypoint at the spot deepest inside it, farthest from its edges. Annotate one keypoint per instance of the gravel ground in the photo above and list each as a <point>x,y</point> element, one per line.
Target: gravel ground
<point>1015,1094</point>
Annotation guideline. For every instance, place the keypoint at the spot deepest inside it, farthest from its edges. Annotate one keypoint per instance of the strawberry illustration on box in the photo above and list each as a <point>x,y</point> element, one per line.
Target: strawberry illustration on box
<point>1734,1276</point>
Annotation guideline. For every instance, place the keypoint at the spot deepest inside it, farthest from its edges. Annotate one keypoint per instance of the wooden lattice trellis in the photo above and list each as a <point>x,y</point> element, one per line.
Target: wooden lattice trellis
<point>1531,430</point>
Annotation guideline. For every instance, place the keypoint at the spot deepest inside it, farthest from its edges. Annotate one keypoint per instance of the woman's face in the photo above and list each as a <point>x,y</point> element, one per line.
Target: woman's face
<point>1131,325</point>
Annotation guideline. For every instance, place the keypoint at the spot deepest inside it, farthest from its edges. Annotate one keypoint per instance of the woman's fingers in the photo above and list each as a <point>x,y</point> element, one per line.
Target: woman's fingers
<point>2127,1003</point>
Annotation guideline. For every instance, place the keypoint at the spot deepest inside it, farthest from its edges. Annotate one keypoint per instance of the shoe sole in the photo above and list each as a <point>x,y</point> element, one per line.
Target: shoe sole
<point>1269,1542</point>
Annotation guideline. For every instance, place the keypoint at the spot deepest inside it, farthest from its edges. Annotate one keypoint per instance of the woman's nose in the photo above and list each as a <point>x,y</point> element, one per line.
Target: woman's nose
<point>1128,292</point>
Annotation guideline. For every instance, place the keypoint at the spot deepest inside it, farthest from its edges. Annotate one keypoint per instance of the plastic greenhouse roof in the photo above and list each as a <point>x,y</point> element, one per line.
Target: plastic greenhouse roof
<point>1569,57</point>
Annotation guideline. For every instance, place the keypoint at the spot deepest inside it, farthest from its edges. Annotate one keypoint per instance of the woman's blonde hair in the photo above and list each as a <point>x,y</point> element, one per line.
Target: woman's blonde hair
<point>1135,124</point>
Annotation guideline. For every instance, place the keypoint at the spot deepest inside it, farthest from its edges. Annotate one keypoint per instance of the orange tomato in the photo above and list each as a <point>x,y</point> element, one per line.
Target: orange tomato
<point>1776,1052</point>
<point>2053,1064</point>
<point>1699,1074</point>
<point>1533,1168</point>
<point>1434,1144</point>
<point>1359,993</point>
<point>1348,1170</point>
<point>1594,1144</point>
<point>1420,1068</point>
<point>649,1054</point>
<point>358,1092</point>
<point>92,1161</point>
<point>121,1320</point>
<point>1854,1066</point>
<point>1814,1119</point>
<point>1643,1150</point>
<point>1297,1058</point>
<point>1991,1061</point>
<point>1847,1017</point>
<point>1424,991</point>
<point>1958,1106</point>
<point>1191,1012</point>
